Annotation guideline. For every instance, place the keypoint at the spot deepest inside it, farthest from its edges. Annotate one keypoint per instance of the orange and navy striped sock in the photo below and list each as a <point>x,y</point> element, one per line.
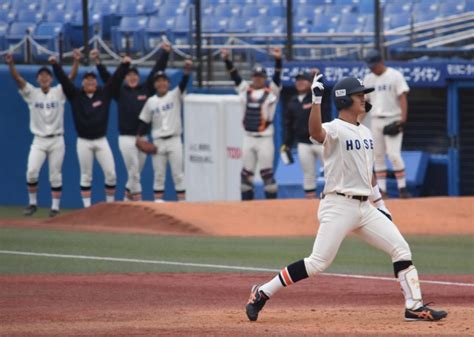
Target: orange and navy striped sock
<point>293,273</point>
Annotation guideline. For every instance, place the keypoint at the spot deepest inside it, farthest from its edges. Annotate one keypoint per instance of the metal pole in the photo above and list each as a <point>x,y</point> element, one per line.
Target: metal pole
<point>85,30</point>
<point>198,42</point>
<point>377,25</point>
<point>61,47</point>
<point>289,29</point>
<point>28,47</point>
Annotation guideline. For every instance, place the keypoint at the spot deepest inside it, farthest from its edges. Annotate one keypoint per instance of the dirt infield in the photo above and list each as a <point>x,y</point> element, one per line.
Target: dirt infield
<point>213,305</point>
<point>439,216</point>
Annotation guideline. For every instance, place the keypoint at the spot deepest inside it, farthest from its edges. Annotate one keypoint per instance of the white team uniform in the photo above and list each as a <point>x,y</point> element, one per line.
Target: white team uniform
<point>258,147</point>
<point>348,161</point>
<point>386,109</point>
<point>164,114</point>
<point>47,126</point>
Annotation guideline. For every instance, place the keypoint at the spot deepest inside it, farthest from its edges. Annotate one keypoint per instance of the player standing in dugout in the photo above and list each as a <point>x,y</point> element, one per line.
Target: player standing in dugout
<point>131,98</point>
<point>260,101</point>
<point>46,106</point>
<point>296,128</point>
<point>90,110</point>
<point>388,118</point>
<point>163,112</point>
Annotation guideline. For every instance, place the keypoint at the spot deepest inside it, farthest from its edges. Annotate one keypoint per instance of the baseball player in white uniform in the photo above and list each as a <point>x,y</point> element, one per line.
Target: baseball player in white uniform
<point>344,208</point>
<point>90,110</point>
<point>296,128</point>
<point>163,112</point>
<point>260,101</point>
<point>46,105</point>
<point>390,106</point>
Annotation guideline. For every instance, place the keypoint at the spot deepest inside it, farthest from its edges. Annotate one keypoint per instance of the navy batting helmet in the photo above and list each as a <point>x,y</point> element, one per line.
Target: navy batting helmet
<point>346,87</point>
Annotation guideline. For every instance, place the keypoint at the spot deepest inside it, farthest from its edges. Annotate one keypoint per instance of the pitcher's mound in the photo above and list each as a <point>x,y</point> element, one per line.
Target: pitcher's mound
<point>289,217</point>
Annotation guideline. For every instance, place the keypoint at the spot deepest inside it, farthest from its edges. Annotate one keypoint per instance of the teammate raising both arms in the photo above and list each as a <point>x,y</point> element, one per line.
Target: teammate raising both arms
<point>131,98</point>
<point>90,109</point>
<point>260,101</point>
<point>163,112</point>
<point>46,105</point>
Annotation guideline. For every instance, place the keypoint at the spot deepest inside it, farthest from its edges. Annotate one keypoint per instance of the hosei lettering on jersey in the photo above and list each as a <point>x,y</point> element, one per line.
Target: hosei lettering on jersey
<point>357,144</point>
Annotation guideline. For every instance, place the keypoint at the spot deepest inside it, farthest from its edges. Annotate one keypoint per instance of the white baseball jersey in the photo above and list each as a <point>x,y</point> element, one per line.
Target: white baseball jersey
<point>388,87</point>
<point>164,113</point>
<point>46,110</point>
<point>348,158</point>
<point>268,107</point>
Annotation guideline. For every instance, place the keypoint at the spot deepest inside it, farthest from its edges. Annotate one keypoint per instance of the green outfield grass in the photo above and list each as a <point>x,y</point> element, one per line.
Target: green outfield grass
<point>432,254</point>
<point>15,212</point>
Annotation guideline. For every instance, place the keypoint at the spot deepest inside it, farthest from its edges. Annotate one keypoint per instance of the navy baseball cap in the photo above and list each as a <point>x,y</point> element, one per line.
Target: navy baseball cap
<point>89,73</point>
<point>373,57</point>
<point>346,87</point>
<point>160,74</point>
<point>133,70</point>
<point>304,75</point>
<point>259,71</point>
<point>44,70</point>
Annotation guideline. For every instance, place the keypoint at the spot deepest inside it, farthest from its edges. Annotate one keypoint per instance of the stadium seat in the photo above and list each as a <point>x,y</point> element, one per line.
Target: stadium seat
<point>241,25</point>
<point>5,5</point>
<point>74,31</point>
<point>451,8</point>
<point>27,15</point>
<point>225,10</point>
<point>251,11</point>
<point>277,11</point>
<point>393,8</point>
<point>52,5</point>
<point>428,9</point>
<point>130,8</point>
<point>151,6</point>
<point>171,11</point>
<point>47,35</point>
<point>325,23</point>
<point>269,3</point>
<point>396,21</point>
<point>19,5</point>
<point>73,6</point>
<point>215,26</point>
<point>311,2</point>
<point>103,15</point>
<point>207,3</point>
<point>340,9</point>
<point>7,15</point>
<point>15,34</point>
<point>469,7</point>
<point>424,17</point>
<point>58,16</point>
<point>131,29</point>
<point>155,29</point>
<point>3,33</point>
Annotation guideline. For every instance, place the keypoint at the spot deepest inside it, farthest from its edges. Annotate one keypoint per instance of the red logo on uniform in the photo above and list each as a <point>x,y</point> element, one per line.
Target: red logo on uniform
<point>96,104</point>
<point>307,106</point>
<point>234,152</point>
<point>141,97</point>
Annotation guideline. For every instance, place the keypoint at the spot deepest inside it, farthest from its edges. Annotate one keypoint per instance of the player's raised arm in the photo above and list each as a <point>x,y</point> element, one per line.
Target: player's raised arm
<point>160,65</point>
<point>114,83</point>
<point>316,130</point>
<point>68,87</point>
<point>76,56</point>
<point>103,72</point>
<point>234,74</point>
<point>20,81</point>
<point>278,66</point>
<point>188,65</point>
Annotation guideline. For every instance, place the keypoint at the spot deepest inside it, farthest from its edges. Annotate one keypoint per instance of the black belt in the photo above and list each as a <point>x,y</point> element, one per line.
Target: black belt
<point>52,136</point>
<point>166,137</point>
<point>357,197</point>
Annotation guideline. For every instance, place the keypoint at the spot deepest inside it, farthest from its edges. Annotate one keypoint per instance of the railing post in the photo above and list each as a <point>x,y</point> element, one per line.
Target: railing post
<point>85,30</point>
<point>28,47</point>
<point>60,47</point>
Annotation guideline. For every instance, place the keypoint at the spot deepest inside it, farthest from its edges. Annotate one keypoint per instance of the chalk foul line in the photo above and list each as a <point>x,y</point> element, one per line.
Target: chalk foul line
<point>213,266</point>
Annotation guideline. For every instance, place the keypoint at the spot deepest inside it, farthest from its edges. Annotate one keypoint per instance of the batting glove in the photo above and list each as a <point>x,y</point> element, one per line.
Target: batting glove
<point>317,89</point>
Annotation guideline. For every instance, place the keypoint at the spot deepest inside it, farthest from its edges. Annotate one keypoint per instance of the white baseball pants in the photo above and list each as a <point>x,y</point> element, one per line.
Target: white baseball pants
<point>99,148</point>
<point>52,148</point>
<point>308,154</point>
<point>170,149</point>
<point>339,216</point>
<point>390,145</point>
<point>134,160</point>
